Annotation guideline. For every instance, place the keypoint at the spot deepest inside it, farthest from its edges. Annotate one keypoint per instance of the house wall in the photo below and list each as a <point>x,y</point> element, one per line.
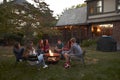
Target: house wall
<point>109,5</point>
<point>104,15</point>
<point>116,33</point>
<point>80,32</point>
<point>109,13</point>
<point>109,16</point>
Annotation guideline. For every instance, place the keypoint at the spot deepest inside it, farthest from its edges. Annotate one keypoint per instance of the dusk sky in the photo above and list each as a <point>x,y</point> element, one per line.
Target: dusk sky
<point>59,5</point>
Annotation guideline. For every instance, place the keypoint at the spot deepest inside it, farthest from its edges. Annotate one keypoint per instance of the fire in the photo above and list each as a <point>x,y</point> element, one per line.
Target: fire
<point>51,53</point>
<point>52,57</point>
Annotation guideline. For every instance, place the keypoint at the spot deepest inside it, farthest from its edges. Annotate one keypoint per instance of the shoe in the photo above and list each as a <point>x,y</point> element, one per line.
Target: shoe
<point>45,66</point>
<point>66,65</point>
<point>20,60</point>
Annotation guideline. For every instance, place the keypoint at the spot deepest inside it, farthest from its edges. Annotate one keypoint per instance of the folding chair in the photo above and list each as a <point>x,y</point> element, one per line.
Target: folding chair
<point>79,57</point>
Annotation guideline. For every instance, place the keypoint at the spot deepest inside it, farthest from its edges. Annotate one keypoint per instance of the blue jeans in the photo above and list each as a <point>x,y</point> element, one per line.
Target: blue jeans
<point>41,59</point>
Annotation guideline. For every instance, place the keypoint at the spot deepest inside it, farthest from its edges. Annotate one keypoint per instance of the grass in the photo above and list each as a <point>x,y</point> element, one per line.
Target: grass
<point>99,66</point>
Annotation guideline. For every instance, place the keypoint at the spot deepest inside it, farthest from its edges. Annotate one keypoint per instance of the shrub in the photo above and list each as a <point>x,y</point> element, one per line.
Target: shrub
<point>87,43</point>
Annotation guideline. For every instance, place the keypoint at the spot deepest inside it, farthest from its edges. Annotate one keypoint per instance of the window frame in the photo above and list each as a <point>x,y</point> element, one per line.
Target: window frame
<point>99,6</point>
<point>93,7</point>
<point>118,4</point>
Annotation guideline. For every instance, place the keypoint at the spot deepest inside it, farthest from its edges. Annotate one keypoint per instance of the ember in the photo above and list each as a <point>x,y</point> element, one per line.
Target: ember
<point>51,57</point>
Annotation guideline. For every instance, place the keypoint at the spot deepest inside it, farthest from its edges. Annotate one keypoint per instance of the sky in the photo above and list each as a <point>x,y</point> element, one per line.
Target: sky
<point>57,6</point>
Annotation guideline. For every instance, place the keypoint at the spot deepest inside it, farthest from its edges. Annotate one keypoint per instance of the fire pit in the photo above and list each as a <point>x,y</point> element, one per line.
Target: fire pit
<point>51,57</point>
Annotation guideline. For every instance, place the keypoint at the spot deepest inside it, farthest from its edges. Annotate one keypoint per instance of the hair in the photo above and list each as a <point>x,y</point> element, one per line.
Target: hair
<point>73,40</point>
<point>16,45</point>
<point>69,44</point>
<point>59,40</point>
<point>41,45</point>
<point>45,42</point>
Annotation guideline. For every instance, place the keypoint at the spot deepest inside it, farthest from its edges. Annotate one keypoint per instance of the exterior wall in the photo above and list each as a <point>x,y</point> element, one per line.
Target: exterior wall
<point>116,33</point>
<point>109,5</point>
<point>104,15</point>
<point>80,32</point>
<point>109,14</point>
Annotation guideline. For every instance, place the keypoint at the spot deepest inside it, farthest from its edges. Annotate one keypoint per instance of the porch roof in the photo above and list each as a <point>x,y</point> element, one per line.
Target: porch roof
<point>103,20</point>
<point>76,16</point>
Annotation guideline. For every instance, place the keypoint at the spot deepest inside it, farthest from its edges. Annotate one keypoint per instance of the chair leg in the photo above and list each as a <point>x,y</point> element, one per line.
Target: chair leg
<point>83,61</point>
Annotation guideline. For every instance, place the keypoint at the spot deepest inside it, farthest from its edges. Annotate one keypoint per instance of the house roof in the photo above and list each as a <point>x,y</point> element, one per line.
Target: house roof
<point>76,16</point>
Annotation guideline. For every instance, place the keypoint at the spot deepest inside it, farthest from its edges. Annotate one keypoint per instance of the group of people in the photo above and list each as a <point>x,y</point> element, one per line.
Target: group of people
<point>29,51</point>
<point>71,49</point>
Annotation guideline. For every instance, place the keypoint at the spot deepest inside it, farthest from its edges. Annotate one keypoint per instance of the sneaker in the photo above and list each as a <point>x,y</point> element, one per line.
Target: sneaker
<point>66,65</point>
<point>20,60</point>
<point>45,66</point>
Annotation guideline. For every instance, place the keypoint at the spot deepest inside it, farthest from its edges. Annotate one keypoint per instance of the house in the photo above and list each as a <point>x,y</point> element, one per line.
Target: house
<point>103,16</point>
<point>73,22</point>
<point>99,17</point>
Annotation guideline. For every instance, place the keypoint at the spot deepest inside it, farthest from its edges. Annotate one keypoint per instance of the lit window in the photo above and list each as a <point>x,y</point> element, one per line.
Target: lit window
<point>99,6</point>
<point>118,5</point>
<point>91,8</point>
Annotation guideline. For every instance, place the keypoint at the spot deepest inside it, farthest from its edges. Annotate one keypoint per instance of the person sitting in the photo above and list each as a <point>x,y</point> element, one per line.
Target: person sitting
<point>59,47</point>
<point>74,52</point>
<point>30,52</point>
<point>46,46</point>
<point>18,52</point>
<point>67,47</point>
<point>40,47</point>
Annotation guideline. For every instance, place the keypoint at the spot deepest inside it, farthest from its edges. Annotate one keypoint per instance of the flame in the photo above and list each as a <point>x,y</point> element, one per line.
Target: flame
<point>51,53</point>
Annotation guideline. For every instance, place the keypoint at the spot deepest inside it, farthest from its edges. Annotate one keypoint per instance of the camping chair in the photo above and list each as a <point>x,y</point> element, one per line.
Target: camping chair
<point>79,58</point>
<point>32,59</point>
<point>18,55</point>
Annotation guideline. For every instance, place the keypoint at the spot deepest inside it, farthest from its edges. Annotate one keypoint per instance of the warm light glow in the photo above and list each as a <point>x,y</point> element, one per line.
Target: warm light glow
<point>51,53</point>
<point>98,30</point>
<point>92,29</point>
<point>65,26</point>
<point>106,25</point>
<point>70,27</point>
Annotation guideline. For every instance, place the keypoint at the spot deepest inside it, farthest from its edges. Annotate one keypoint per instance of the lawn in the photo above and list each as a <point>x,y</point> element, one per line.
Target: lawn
<point>99,66</point>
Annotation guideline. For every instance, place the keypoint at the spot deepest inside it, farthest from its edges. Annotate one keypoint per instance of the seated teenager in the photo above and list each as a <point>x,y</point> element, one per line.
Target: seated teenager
<point>74,52</point>
<point>31,53</point>
<point>46,46</point>
<point>59,46</point>
<point>40,47</point>
<point>18,52</point>
<point>67,47</point>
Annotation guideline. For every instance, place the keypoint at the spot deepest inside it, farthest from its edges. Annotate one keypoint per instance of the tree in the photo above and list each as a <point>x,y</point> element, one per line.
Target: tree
<point>25,18</point>
<point>46,13</point>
